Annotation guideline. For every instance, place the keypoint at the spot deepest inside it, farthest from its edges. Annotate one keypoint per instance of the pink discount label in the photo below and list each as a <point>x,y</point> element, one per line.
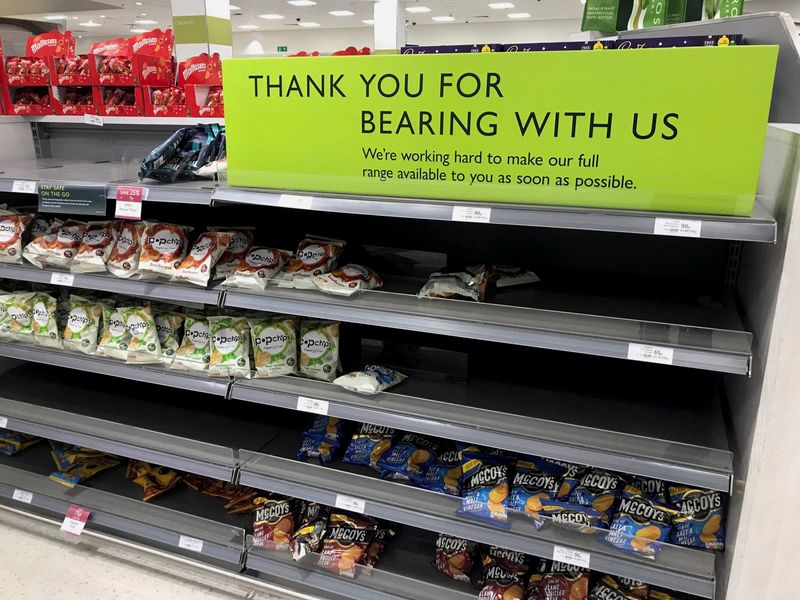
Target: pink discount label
<point>129,202</point>
<point>75,520</point>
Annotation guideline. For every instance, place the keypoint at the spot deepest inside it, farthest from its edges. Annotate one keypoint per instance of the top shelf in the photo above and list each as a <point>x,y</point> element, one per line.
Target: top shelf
<point>167,121</point>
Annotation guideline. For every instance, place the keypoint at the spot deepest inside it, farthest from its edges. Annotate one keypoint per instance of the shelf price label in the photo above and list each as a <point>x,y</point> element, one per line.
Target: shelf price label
<point>356,505</point>
<point>652,354</point>
<point>23,187</point>
<point>678,227</point>
<point>62,279</point>
<point>3,422</point>
<point>312,405</point>
<point>571,556</point>
<point>75,520</point>
<point>472,214</point>
<point>294,201</point>
<point>129,202</point>
<point>96,120</point>
<point>190,543</point>
<point>22,496</point>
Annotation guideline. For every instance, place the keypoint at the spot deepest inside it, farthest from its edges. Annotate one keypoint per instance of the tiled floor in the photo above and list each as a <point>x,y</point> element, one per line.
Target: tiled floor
<point>38,562</point>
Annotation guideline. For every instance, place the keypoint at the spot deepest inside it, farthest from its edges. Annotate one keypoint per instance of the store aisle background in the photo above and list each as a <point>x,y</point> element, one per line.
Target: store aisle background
<point>38,561</point>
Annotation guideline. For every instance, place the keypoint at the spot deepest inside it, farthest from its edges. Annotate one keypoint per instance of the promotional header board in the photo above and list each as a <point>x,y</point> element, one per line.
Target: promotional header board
<point>674,129</point>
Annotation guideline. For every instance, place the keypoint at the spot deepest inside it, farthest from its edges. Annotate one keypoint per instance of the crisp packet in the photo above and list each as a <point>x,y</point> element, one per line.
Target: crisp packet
<point>409,458</point>
<point>455,557</point>
<point>484,485</point>
<point>45,325</point>
<point>274,345</point>
<point>17,322</point>
<point>12,227</point>
<point>529,486</point>
<point>168,328</point>
<point>322,450</point>
<point>96,246</point>
<point>230,347</point>
<point>115,338</point>
<point>347,280</point>
<point>567,585</point>
<point>368,445</point>
<point>12,442</point>
<point>199,263</point>
<point>83,325</point>
<point>506,276</point>
<point>636,588</point>
<point>577,516</point>
<point>448,285</point>
<point>314,256</point>
<point>312,523</point>
<point>58,247</point>
<point>655,489</point>
<point>598,489</point>
<point>154,480</point>
<point>144,346</point>
<point>273,523</point>
<point>609,588</point>
<point>194,353</point>
<point>123,261</point>
<point>371,380</point>
<point>83,470</point>
<point>257,268</point>
<point>240,243</point>
<point>639,524</point>
<point>321,439</point>
<point>501,583</point>
<point>700,518</point>
<point>445,474</point>
<point>374,552</point>
<point>319,349</point>
<point>347,540</point>
<point>163,248</point>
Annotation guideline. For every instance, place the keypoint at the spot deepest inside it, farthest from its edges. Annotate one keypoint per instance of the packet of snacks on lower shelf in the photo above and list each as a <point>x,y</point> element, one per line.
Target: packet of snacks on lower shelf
<point>273,523</point>
<point>485,488</point>
<point>115,338</point>
<point>12,228</point>
<point>40,225</point>
<point>240,244</point>
<point>368,445</point>
<point>506,276</point>
<point>571,583</point>
<point>163,248</point>
<point>144,347</point>
<point>12,442</point>
<point>314,256</point>
<point>194,353</point>
<point>45,324</point>
<point>58,247</point>
<point>609,588</point>
<point>469,284</point>
<point>95,249</point>
<point>700,519</point>
<point>319,349</point>
<point>123,261</point>
<point>83,324</point>
<point>230,347</point>
<point>371,380</point>
<point>199,263</point>
<point>312,523</point>
<point>258,267</point>
<point>154,480</point>
<point>639,524</point>
<point>168,328</point>
<point>17,322</point>
<point>347,280</point>
<point>374,552</point>
<point>455,557</point>
<point>502,583</point>
<point>274,346</point>
<point>346,542</point>
<point>409,458</point>
<point>83,470</point>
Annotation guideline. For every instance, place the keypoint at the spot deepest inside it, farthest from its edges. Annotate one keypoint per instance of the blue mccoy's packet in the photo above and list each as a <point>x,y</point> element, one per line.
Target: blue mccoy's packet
<point>321,439</point>
<point>409,458</point>
<point>529,486</point>
<point>485,486</point>
<point>368,445</point>
<point>577,516</point>
<point>598,489</point>
<point>639,524</point>
<point>445,474</point>
<point>700,518</point>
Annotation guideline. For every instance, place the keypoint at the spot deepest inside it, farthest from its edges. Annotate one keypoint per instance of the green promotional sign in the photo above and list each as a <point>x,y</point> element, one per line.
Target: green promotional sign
<point>654,129</point>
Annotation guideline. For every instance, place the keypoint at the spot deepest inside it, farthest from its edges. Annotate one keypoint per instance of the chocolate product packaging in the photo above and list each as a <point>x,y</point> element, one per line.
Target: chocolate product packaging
<point>45,324</point>
<point>259,266</point>
<point>639,524</point>
<point>230,347</point>
<point>144,347</point>
<point>199,262</point>
<point>606,15</point>
<point>371,380</point>
<point>409,458</point>
<point>194,353</point>
<point>319,349</point>
<point>95,249</point>
<point>347,540</point>
<point>311,528</point>
<point>368,445</point>
<point>347,280</point>
<point>700,521</point>
<point>12,228</point>
<point>83,325</point>
<point>455,557</point>
<point>314,256</point>
<point>163,248</point>
<point>559,46</point>
<point>273,523</point>
<point>240,243</point>
<point>56,248</point>
<point>274,345</point>
<point>453,49</point>
<point>689,41</point>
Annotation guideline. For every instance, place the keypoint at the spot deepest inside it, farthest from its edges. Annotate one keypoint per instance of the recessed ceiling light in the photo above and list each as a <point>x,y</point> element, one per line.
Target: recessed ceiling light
<point>308,24</point>
<point>142,14</point>
<point>418,9</point>
<point>75,18</point>
<point>341,13</point>
<point>271,17</point>
<point>55,18</point>
<point>145,22</point>
<point>368,21</point>
<point>234,7</point>
<point>248,26</point>
<point>102,16</point>
<point>519,15</point>
<point>138,3</point>
<point>90,24</point>
<point>501,5</point>
<point>138,30</point>
<point>302,2</point>
<point>444,19</point>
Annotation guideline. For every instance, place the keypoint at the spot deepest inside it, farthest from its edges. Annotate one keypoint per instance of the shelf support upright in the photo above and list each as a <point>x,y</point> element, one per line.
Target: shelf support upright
<point>389,26</point>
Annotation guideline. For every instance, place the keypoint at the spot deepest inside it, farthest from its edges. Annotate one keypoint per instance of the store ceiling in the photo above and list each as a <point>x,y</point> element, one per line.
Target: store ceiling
<point>117,18</point>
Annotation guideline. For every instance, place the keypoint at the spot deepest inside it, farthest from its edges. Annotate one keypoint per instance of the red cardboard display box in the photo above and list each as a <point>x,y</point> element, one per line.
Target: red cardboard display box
<point>144,59</point>
<point>35,67</point>
<point>205,101</point>
<point>27,100</point>
<point>167,101</point>
<point>74,100</point>
<point>110,62</point>
<point>201,78</point>
<point>118,101</point>
<point>70,70</point>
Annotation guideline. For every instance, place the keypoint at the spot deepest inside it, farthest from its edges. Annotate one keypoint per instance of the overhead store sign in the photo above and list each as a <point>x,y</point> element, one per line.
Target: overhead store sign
<point>661,129</point>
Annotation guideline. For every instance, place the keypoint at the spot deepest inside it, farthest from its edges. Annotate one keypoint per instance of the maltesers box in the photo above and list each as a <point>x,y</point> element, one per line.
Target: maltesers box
<point>456,49</point>
<point>35,67</point>
<point>166,101</point>
<point>201,78</point>
<point>110,62</point>
<point>205,101</point>
<point>144,59</point>
<point>70,70</point>
<point>73,100</point>
<point>118,101</point>
<point>27,100</point>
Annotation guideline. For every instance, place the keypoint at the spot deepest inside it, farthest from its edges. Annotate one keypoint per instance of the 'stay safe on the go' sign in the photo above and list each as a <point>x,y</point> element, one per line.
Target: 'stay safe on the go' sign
<point>660,129</point>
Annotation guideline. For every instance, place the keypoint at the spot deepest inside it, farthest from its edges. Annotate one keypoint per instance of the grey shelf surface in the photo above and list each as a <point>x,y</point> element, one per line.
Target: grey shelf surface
<point>725,349</point>
<point>156,374</point>
<point>681,569</point>
<point>158,289</point>
<point>127,517</point>
<point>113,174</point>
<point>680,440</point>
<point>760,227</point>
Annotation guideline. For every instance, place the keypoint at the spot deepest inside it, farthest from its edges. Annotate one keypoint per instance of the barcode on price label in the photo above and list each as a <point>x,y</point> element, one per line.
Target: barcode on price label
<point>23,187</point>
<point>472,214</point>
<point>571,556</point>
<point>312,405</point>
<point>651,354</point>
<point>22,496</point>
<point>62,279</point>
<point>678,227</point>
<point>3,422</point>
<point>292,201</point>
<point>356,505</point>
<point>190,543</point>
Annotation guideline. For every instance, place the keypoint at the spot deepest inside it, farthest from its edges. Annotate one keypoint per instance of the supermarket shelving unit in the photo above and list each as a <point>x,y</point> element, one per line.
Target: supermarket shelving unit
<point>206,426</point>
